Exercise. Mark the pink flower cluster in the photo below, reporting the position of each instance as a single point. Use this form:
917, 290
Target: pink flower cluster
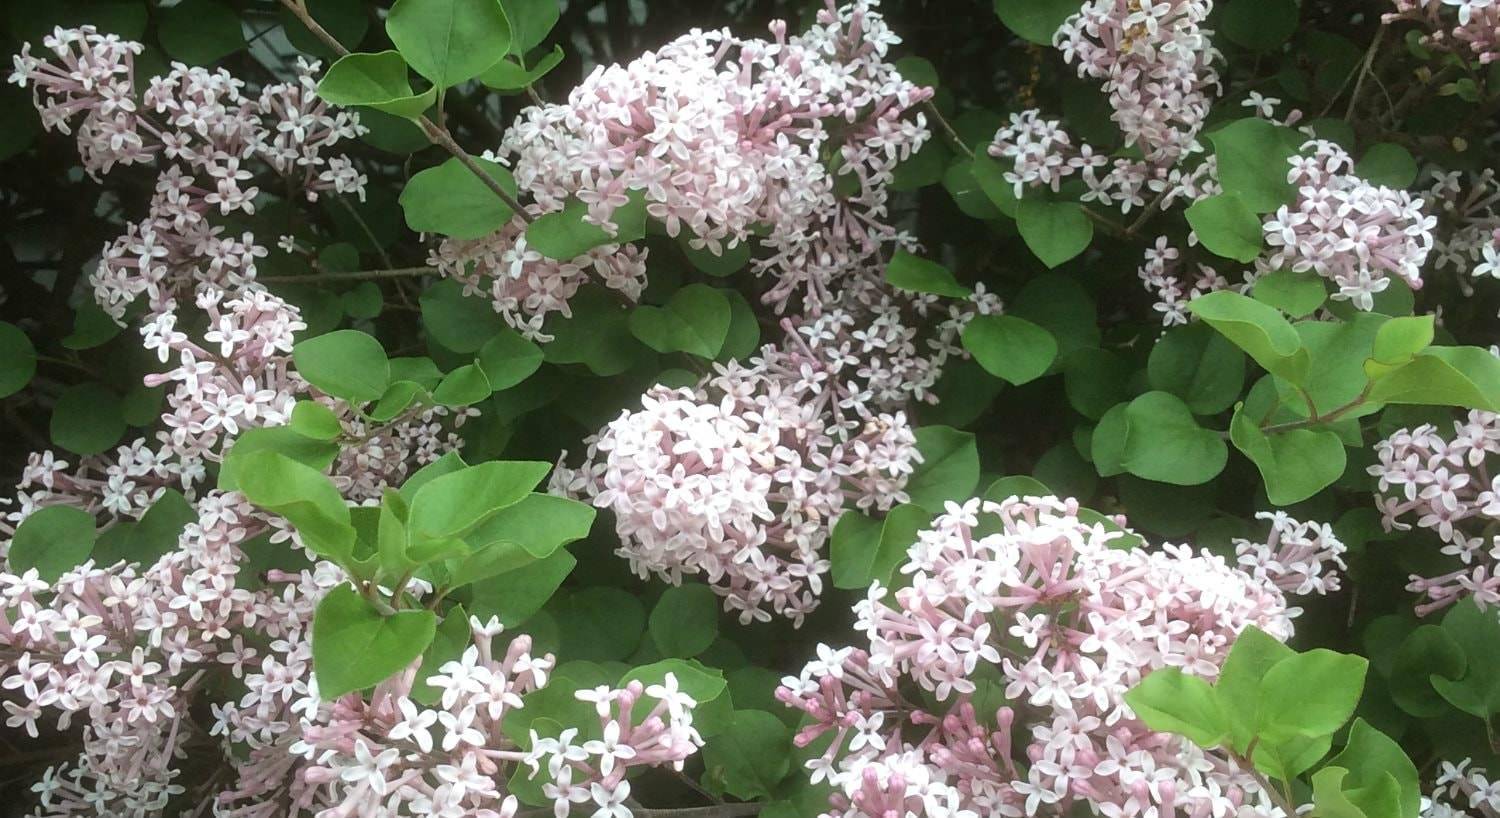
1025, 599
215, 136
1042, 154
1156, 63
1446, 484
1473, 26
726, 138
741, 478
1353, 233
1176, 282
1299, 558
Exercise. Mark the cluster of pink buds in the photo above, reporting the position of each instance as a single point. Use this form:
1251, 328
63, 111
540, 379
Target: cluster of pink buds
1156, 63
1468, 27
1353, 233
741, 478
1023, 601
726, 138
1446, 484
211, 136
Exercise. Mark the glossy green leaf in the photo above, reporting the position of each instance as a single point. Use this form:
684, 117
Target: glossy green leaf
566, 234
1056, 232
1226, 227
918, 275
1170, 701
1260, 330
356, 647
1010, 348
452, 201
449, 41
949, 469
346, 364
375, 81
53, 540
1166, 444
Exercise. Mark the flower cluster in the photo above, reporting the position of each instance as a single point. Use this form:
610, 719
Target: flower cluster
1472, 244
1297, 557
1156, 63
1356, 234
722, 136
1042, 154
212, 135
1447, 484
742, 477
1462, 790
1024, 597
1472, 28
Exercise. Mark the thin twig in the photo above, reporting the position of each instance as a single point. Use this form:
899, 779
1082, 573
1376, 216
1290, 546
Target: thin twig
351, 275
1364, 72
947, 128
435, 133
363, 225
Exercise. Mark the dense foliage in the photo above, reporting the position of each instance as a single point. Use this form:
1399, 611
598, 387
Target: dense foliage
698, 410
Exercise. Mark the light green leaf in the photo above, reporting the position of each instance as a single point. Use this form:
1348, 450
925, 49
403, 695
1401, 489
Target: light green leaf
464, 386
1253, 653
1055, 231
1226, 227
452, 201
1010, 348
355, 647
1252, 161
453, 503
1198, 365
1309, 694
564, 235
346, 364
1467, 377
918, 275
1296, 294
949, 469
1260, 330
752, 757
1164, 442
508, 358
1370, 756
1295, 464
449, 41
1170, 701
314, 420
376, 81
507, 75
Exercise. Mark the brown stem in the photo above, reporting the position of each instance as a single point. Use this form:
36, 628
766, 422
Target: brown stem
352, 275
437, 134
942, 122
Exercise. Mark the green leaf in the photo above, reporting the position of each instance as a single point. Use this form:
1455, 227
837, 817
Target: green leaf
87, 419
1256, 328
508, 358
1400, 339
597, 335
1198, 365
1226, 227
1096, 379
53, 540
949, 469
375, 81
1010, 348
1329, 798
1467, 377
865, 551
464, 386
685, 620
17, 359
1387, 164
1170, 701
462, 323
311, 452
1059, 304
695, 320
1309, 694
515, 595
452, 201
1476, 632
453, 503
564, 235
1260, 25
1166, 444
314, 420
1035, 20
960, 182
507, 75
355, 647
1296, 294
1370, 756
1425, 652
743, 337
92, 327
991, 179
1252, 161
199, 32
1253, 653
1055, 231
1295, 464
449, 41
346, 364
704, 684
1016, 485
601, 624
751, 757
918, 275
301, 494
156, 534
1107, 443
